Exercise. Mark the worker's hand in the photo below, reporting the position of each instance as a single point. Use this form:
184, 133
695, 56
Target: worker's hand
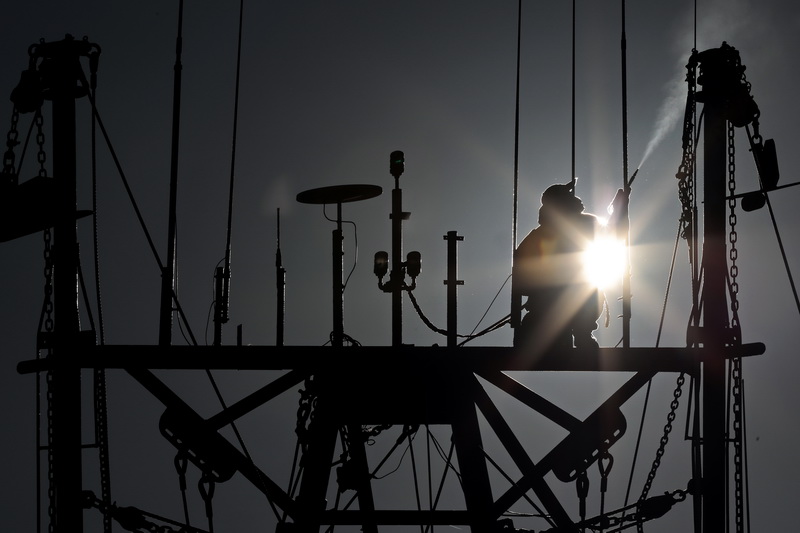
620, 203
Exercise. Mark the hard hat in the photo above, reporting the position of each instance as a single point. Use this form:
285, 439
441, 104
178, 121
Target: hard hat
559, 193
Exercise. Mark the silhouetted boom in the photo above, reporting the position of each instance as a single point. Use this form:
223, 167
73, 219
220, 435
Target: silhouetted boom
317, 358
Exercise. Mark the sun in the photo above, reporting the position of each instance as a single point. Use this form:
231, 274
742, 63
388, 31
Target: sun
604, 261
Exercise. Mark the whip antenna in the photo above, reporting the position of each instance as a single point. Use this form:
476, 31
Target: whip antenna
168, 273
280, 281
223, 275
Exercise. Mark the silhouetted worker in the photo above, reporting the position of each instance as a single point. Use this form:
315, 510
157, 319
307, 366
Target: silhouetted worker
549, 269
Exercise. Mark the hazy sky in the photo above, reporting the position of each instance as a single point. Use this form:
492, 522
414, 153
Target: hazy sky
328, 90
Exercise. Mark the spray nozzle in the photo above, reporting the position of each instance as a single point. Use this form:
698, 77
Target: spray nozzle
633, 177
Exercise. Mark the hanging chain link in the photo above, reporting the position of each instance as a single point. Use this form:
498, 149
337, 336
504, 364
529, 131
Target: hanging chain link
48, 325
51, 482
48, 330
673, 407
733, 237
41, 157
9, 158
736, 364
738, 439
685, 174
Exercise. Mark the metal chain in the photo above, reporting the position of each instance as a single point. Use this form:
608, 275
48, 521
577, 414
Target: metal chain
733, 254
51, 485
685, 174
42, 155
101, 436
9, 159
48, 329
737, 385
673, 407
736, 368
738, 439
48, 280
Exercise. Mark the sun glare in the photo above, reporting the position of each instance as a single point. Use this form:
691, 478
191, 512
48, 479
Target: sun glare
604, 261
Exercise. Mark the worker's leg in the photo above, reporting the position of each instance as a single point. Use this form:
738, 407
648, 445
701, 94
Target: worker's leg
585, 321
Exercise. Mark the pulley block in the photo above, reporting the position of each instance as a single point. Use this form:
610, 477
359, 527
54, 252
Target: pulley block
203, 446
586, 444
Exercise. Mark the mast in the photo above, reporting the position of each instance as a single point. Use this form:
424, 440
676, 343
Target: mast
168, 273
715, 313
624, 219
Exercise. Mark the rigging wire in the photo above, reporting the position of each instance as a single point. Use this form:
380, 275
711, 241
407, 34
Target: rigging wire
132, 199
415, 477
777, 232
626, 279
516, 137
223, 306
168, 273
226, 271
490, 306
539, 511
573, 178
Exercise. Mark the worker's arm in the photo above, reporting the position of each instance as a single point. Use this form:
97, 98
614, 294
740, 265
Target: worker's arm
618, 221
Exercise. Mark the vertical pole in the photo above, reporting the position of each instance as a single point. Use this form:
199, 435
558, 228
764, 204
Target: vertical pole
715, 78
714, 320
338, 292
471, 460
65, 401
625, 220
168, 272
452, 283
358, 455
316, 467
397, 275
219, 294
280, 282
